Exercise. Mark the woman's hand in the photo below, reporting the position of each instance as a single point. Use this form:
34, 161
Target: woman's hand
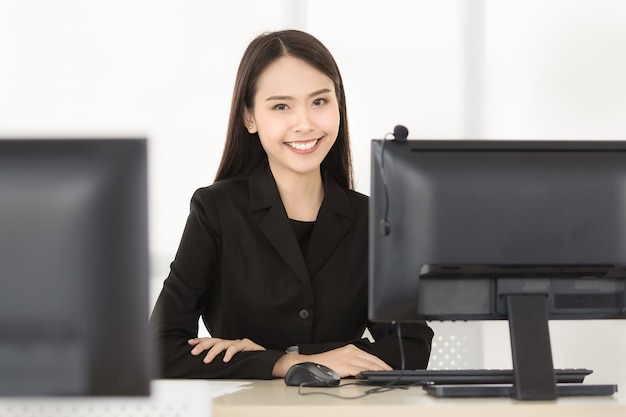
346, 361
215, 346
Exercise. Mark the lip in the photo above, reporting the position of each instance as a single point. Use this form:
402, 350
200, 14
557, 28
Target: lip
304, 151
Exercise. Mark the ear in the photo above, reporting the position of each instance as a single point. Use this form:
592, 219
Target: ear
248, 120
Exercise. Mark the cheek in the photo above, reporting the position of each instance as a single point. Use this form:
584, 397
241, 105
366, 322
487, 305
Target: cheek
270, 128
330, 121
271, 137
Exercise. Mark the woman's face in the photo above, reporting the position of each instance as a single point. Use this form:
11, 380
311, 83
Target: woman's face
296, 115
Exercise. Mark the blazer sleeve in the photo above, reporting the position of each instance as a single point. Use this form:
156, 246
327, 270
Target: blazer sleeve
416, 344
174, 319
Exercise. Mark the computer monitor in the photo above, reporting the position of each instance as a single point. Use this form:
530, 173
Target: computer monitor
74, 267
519, 230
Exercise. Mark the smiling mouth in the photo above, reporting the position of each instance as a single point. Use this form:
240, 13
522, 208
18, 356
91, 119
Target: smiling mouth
303, 146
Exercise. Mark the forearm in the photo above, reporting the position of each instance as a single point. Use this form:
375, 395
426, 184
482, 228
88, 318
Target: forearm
416, 344
176, 361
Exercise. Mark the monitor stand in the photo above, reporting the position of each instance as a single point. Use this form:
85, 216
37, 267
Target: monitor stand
533, 369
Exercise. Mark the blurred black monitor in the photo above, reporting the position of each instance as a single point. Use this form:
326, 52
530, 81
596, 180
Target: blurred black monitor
520, 230
74, 267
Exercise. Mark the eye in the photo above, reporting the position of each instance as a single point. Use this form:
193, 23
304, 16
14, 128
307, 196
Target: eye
319, 101
280, 106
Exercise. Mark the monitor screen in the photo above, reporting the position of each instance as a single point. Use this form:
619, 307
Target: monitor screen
497, 229
74, 270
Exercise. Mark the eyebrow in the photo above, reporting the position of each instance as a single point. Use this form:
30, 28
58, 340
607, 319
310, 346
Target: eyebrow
315, 93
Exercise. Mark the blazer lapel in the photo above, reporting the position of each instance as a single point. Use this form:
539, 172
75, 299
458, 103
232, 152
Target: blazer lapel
265, 203
333, 223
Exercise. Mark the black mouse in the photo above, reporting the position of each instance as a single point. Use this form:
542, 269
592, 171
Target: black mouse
311, 375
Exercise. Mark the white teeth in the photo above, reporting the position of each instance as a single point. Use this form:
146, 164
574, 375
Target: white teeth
303, 146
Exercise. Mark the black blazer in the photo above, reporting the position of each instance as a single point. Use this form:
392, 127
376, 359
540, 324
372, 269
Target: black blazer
240, 267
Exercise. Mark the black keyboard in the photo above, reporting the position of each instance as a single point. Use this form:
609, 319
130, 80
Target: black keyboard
461, 376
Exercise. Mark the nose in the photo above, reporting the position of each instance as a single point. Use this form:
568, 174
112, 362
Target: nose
302, 120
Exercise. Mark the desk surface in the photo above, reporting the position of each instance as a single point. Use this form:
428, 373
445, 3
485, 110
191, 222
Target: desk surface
219, 398
274, 398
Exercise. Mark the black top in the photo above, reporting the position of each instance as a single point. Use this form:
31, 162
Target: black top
303, 232
240, 266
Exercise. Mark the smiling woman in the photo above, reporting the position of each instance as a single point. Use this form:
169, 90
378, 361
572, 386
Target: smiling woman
296, 116
280, 237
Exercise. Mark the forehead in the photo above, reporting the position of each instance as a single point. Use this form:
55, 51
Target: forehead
290, 76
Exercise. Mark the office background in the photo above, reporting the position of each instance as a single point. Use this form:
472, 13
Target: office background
543, 69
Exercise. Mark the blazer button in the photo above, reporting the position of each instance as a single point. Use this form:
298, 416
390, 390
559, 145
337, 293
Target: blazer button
304, 313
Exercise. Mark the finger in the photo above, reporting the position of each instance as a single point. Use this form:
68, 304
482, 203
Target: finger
373, 363
215, 350
211, 354
243, 345
230, 352
238, 346
204, 344
377, 366
367, 359
197, 340
208, 358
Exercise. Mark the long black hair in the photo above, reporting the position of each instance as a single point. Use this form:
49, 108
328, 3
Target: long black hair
243, 150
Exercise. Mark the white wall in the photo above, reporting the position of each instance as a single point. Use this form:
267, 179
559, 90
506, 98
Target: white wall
159, 68
555, 69
445, 69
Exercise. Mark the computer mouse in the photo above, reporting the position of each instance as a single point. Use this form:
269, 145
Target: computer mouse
311, 375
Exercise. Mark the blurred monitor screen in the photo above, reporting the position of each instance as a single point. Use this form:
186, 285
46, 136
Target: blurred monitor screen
74, 270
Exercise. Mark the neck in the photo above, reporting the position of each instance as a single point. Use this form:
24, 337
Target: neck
301, 194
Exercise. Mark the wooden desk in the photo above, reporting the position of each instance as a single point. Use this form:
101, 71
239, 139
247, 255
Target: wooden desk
218, 398
274, 398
